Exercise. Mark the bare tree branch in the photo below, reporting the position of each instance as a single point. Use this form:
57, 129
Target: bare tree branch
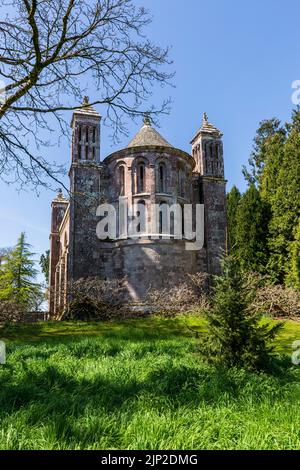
49, 51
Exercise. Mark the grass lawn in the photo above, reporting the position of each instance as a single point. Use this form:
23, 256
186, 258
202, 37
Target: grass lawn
139, 384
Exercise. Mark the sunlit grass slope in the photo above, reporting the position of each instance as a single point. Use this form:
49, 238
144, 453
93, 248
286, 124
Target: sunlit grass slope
140, 384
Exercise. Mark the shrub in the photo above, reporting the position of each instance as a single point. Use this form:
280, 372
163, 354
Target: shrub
95, 299
11, 312
235, 335
192, 294
277, 300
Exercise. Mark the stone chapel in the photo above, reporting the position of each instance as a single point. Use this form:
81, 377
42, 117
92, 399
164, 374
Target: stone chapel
148, 171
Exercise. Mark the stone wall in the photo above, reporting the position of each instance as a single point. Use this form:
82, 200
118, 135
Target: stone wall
152, 174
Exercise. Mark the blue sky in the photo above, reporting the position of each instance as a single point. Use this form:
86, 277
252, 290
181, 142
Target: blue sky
234, 59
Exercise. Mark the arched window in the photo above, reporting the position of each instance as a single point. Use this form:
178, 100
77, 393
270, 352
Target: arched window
164, 217
160, 219
181, 183
182, 220
162, 178
141, 178
122, 180
216, 151
141, 213
79, 142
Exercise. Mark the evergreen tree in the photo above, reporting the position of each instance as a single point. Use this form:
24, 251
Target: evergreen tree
293, 275
44, 263
252, 221
233, 199
267, 155
286, 205
235, 335
18, 275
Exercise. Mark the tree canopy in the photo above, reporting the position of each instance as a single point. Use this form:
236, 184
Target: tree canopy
264, 223
18, 277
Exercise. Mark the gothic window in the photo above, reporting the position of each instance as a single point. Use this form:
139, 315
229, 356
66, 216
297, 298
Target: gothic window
160, 218
87, 135
141, 178
86, 152
94, 153
211, 150
94, 135
122, 180
181, 191
79, 142
141, 213
162, 178
217, 151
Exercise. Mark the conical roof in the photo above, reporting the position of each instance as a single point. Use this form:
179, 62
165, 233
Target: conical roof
148, 136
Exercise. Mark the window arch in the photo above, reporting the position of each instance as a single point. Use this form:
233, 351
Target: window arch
162, 173
160, 218
216, 151
121, 180
181, 182
141, 178
141, 213
182, 221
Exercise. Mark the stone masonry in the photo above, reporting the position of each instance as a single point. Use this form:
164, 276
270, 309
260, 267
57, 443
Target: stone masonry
148, 171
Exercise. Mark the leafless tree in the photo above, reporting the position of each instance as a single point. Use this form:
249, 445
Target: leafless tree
95, 299
278, 301
51, 53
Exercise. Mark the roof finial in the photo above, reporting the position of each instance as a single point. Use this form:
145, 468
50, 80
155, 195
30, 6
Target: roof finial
86, 100
60, 194
204, 118
147, 120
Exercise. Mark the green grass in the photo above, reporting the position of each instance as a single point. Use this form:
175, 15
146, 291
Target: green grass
139, 384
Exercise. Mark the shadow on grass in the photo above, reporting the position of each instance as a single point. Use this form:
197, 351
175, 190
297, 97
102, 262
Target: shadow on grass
56, 393
130, 329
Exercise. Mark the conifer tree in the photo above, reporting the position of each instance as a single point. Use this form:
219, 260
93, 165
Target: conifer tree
18, 276
233, 199
267, 156
293, 275
235, 335
286, 205
44, 264
252, 221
